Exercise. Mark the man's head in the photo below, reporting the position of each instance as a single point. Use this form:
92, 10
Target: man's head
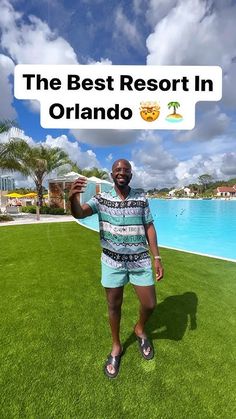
121, 173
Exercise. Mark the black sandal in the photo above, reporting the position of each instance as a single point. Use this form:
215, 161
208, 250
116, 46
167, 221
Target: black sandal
144, 344
115, 362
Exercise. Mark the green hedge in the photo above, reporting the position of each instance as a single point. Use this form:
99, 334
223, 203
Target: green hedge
43, 210
5, 217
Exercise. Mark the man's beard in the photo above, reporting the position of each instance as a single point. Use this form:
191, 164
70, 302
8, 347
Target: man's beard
121, 185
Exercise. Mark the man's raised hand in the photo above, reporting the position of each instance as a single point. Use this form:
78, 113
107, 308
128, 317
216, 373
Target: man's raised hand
78, 186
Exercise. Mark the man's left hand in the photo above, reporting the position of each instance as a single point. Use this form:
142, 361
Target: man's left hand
158, 269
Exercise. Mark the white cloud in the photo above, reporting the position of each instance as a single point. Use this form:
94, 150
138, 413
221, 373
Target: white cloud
152, 154
84, 159
15, 132
220, 166
158, 9
20, 180
32, 105
196, 32
29, 41
103, 137
228, 166
6, 97
103, 61
154, 157
229, 86
32, 42
212, 124
149, 136
138, 6
153, 166
188, 171
109, 157
18, 133
148, 178
186, 149
126, 30
23, 182
190, 25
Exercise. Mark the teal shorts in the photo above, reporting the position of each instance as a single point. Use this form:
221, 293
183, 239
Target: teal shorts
118, 277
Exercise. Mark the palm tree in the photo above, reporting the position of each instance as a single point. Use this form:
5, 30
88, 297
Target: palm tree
6, 125
101, 174
73, 167
205, 180
34, 161
174, 105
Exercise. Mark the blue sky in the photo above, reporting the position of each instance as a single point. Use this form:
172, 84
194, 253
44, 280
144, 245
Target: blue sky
161, 32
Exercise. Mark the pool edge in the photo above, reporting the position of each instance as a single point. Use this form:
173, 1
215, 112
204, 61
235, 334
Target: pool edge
174, 248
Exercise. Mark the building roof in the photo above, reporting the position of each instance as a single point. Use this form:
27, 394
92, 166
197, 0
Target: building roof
71, 176
226, 188
98, 180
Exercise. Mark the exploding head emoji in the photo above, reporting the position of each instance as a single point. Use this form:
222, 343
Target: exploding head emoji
149, 111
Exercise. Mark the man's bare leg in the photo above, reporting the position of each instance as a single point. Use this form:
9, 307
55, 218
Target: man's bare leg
147, 298
114, 301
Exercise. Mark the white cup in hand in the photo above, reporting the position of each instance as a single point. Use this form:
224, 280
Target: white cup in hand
85, 184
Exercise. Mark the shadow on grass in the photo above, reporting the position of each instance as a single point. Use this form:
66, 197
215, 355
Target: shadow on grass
171, 318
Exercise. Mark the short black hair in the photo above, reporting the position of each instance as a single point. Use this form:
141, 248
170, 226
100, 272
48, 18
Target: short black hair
124, 160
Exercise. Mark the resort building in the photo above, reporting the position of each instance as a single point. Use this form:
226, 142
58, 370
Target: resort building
183, 191
226, 191
58, 189
172, 193
188, 192
7, 183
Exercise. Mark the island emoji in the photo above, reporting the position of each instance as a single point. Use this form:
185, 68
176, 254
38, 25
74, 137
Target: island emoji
174, 117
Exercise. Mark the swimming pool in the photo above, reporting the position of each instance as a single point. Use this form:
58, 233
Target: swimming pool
201, 226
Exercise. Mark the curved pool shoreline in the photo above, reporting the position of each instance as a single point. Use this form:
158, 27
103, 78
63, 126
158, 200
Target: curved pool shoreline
203, 227
171, 248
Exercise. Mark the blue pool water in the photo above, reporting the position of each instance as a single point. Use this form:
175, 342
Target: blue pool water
201, 226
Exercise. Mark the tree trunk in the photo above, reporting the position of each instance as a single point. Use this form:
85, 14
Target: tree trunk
39, 189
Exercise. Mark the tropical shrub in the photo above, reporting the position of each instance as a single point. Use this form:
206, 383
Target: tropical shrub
5, 217
43, 210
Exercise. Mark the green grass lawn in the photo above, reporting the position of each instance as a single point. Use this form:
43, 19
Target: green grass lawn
54, 334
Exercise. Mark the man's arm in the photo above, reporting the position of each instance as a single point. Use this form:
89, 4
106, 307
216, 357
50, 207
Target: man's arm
152, 241
77, 210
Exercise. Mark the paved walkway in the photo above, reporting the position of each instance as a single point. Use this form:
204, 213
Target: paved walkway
25, 218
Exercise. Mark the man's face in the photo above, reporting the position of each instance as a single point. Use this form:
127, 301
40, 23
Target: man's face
121, 173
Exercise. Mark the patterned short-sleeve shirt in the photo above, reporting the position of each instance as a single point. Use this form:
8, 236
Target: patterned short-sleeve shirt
121, 225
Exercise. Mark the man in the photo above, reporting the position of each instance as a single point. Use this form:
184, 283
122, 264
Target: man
126, 225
